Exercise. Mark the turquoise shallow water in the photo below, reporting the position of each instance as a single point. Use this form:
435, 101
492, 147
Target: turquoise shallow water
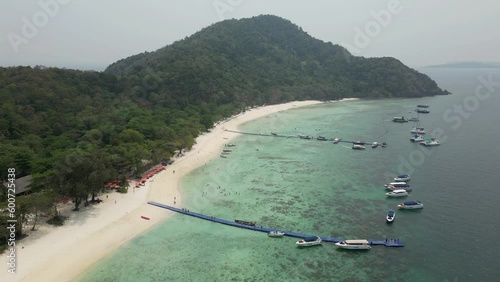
320, 188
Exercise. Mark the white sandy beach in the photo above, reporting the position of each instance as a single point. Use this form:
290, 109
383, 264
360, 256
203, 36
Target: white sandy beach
63, 253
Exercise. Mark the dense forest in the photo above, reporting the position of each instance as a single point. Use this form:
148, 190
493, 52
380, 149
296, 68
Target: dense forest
76, 130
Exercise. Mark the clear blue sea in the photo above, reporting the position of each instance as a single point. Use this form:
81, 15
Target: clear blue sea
329, 189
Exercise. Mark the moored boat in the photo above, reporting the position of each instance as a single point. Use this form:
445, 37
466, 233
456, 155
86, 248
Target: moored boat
423, 106
374, 145
392, 183
418, 130
305, 136
422, 111
405, 187
354, 244
321, 138
397, 193
391, 215
414, 119
309, 241
384, 144
358, 142
411, 205
402, 178
399, 119
430, 142
276, 233
336, 140
249, 223
417, 138
358, 147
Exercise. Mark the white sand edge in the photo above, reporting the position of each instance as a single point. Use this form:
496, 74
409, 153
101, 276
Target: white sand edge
88, 236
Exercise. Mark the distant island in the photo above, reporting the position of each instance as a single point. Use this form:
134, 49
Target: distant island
467, 65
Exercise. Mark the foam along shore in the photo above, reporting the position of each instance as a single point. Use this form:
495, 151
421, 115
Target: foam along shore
63, 253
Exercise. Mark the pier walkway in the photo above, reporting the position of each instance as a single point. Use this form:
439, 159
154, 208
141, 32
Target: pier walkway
384, 242
290, 136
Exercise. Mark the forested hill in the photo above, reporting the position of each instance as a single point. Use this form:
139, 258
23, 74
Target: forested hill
267, 59
75, 130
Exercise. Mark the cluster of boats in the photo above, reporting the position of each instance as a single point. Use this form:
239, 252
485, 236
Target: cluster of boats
400, 188
416, 133
345, 244
360, 145
225, 152
356, 145
316, 240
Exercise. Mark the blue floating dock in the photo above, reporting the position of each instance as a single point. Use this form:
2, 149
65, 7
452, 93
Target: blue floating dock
385, 242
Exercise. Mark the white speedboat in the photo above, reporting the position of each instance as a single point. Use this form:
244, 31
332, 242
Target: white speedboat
402, 178
430, 142
405, 187
391, 215
358, 147
399, 119
417, 138
276, 233
354, 244
309, 241
411, 205
397, 193
393, 183
417, 130
336, 140
374, 145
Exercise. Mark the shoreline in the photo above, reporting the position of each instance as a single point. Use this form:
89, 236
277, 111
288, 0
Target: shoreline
96, 232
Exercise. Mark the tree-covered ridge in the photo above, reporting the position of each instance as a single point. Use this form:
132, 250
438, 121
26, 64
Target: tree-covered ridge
269, 59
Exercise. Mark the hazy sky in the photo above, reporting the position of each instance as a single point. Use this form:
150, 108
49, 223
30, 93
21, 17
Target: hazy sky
91, 34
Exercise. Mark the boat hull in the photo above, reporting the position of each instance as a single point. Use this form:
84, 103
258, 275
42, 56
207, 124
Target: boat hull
353, 247
303, 243
276, 234
430, 143
396, 195
397, 187
411, 207
402, 178
358, 147
243, 222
